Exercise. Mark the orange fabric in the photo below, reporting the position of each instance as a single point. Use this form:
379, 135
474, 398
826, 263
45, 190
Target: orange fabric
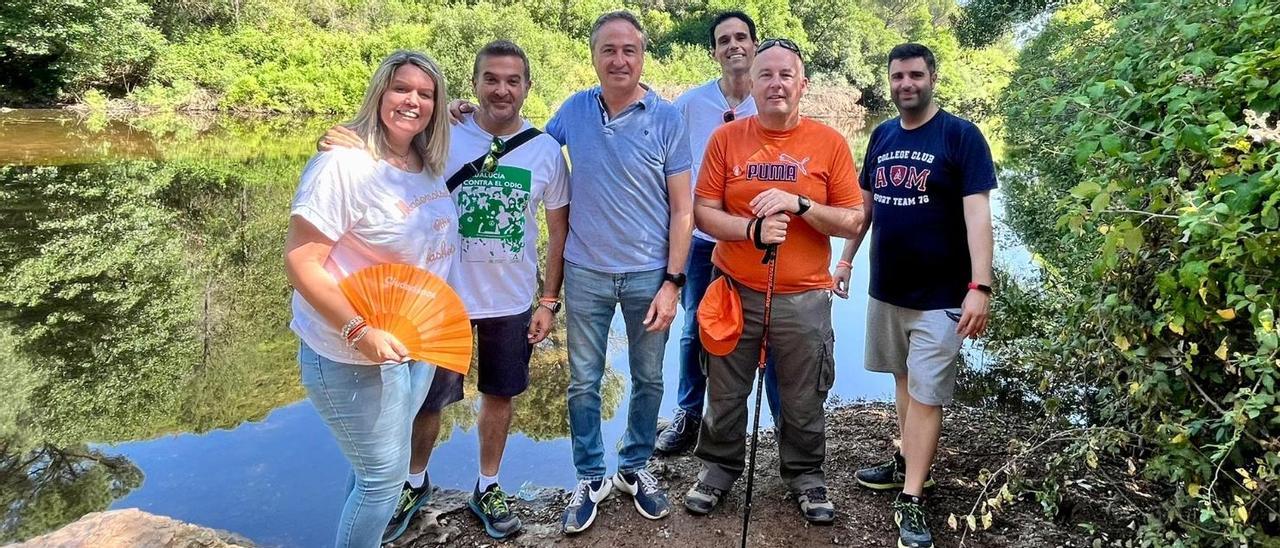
744, 159
720, 318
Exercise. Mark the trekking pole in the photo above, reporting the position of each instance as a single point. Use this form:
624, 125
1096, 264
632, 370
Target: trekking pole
770, 258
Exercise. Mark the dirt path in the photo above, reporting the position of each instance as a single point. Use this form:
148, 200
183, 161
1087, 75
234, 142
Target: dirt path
973, 440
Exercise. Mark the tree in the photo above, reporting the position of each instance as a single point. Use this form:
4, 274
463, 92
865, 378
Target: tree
55, 49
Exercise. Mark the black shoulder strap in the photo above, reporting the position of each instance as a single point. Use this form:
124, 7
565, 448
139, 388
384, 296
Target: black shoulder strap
469, 169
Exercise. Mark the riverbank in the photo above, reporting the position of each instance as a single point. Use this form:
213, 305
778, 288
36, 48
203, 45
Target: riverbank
975, 443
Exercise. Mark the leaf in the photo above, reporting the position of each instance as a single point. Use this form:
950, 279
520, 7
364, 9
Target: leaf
1242, 514
972, 522
1087, 189
1227, 313
1221, 352
986, 521
1091, 459
1133, 240
1112, 144
1122, 342
1100, 202
952, 523
1193, 489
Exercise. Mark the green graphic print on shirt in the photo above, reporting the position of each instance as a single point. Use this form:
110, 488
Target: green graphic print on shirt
491, 215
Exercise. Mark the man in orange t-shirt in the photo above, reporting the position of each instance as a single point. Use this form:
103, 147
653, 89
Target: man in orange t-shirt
775, 178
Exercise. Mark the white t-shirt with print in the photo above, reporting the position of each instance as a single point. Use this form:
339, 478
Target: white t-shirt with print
375, 214
703, 108
497, 218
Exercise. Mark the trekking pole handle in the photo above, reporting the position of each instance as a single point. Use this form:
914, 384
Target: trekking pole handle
770, 253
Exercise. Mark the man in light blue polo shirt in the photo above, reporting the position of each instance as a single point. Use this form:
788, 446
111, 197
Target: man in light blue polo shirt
629, 231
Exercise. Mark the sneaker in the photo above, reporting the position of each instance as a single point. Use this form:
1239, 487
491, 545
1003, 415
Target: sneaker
410, 501
890, 474
680, 434
582, 507
651, 501
491, 507
908, 513
702, 498
815, 505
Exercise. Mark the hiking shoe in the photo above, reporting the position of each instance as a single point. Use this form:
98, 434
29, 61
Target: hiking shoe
890, 474
651, 501
581, 511
815, 505
491, 507
702, 498
410, 501
913, 532
680, 434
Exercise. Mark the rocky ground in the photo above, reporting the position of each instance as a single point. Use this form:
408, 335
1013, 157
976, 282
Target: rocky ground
974, 442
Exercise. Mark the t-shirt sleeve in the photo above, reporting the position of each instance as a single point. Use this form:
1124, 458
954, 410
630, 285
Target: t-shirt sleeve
678, 158
555, 126
328, 195
976, 165
842, 188
711, 177
557, 194
865, 179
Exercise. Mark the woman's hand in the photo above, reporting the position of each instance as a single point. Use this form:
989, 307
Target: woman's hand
458, 108
339, 137
381, 347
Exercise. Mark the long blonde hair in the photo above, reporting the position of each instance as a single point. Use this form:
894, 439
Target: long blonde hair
432, 144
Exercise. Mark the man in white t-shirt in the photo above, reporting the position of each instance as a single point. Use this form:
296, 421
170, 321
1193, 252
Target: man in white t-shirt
705, 108
504, 176
497, 270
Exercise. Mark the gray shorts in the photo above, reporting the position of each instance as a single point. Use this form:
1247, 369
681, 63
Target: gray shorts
921, 344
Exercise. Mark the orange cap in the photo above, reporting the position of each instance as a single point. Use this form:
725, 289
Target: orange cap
720, 318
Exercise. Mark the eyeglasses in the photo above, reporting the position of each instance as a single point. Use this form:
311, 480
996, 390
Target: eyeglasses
496, 147
728, 116
788, 44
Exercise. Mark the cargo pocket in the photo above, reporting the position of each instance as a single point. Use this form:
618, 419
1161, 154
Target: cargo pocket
827, 363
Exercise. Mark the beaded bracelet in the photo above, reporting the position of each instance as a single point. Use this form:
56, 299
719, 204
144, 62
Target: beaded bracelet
359, 334
351, 325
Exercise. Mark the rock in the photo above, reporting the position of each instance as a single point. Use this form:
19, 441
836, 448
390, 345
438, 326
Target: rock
133, 527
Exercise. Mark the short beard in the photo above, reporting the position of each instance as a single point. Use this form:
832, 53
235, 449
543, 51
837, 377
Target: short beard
923, 100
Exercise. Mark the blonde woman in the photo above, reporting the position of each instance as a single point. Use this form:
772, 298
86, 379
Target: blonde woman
356, 208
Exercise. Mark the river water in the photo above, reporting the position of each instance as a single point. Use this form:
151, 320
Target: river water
143, 332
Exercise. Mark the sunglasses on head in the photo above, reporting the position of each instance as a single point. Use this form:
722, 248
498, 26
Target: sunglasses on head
729, 116
491, 159
783, 42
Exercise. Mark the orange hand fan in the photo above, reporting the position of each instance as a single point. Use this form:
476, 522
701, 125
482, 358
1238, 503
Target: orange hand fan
418, 308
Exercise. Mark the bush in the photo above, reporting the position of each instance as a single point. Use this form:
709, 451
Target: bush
1149, 188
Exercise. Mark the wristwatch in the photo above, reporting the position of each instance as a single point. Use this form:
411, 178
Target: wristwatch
553, 306
804, 206
677, 279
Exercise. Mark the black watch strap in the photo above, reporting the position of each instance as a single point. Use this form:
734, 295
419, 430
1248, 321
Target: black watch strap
677, 279
804, 204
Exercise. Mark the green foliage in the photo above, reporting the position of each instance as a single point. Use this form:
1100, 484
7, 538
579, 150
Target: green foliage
1149, 189
295, 56
56, 49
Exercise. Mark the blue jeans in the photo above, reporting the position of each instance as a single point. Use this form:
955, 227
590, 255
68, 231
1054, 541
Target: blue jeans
369, 409
590, 299
693, 382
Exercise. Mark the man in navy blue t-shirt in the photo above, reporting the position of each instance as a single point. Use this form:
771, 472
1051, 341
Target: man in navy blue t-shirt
928, 176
